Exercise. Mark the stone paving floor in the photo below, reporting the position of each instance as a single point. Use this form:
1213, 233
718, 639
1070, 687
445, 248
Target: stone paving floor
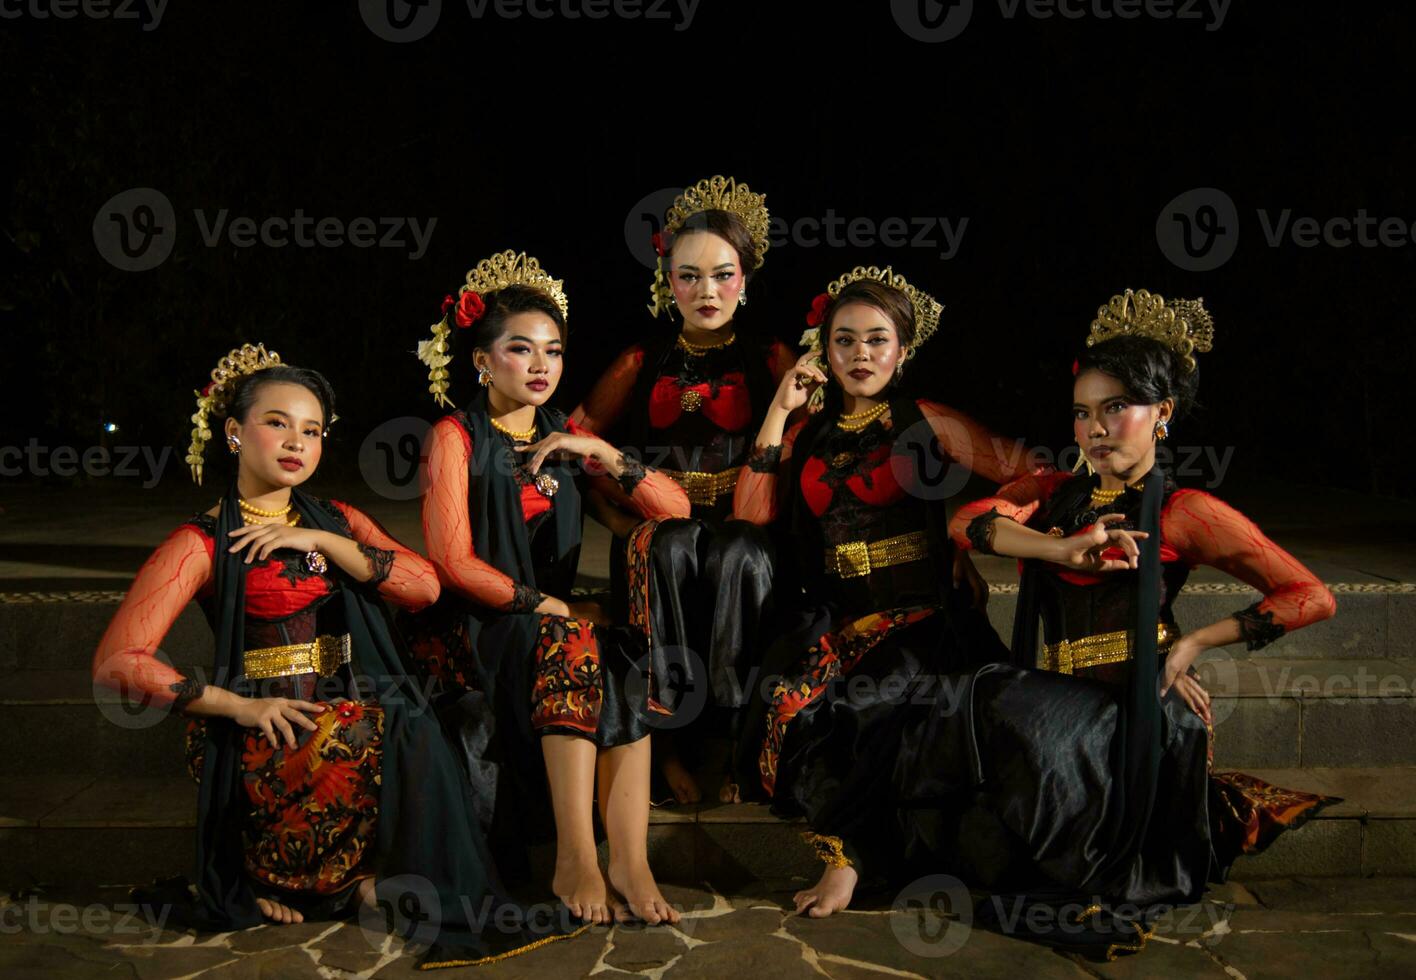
1326, 927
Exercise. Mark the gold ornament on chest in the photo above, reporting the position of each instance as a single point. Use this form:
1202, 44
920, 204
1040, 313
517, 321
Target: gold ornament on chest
690, 400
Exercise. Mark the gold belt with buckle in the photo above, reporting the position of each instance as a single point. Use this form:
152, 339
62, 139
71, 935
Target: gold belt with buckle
856, 559
704, 488
1069, 656
323, 656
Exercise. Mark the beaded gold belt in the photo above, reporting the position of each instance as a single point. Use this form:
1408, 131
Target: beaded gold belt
856, 559
323, 656
1069, 656
704, 489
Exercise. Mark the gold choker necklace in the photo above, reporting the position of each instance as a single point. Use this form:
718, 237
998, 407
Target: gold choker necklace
524, 436
858, 421
699, 349
254, 511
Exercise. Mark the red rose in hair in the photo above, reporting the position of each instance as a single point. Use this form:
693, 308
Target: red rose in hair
1076, 366
817, 316
470, 309
207, 390
448, 302
658, 239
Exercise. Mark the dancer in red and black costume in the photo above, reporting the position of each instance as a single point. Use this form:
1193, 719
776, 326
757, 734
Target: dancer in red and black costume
864, 505
554, 693
320, 780
689, 403
1087, 790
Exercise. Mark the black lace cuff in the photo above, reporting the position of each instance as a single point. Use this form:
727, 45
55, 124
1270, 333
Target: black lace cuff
1257, 628
764, 459
632, 474
980, 532
186, 691
524, 599
380, 562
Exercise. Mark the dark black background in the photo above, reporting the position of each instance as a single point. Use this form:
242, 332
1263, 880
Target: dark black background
1059, 140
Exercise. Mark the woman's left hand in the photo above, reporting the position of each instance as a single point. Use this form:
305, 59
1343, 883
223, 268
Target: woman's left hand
574, 446
1177, 675
262, 539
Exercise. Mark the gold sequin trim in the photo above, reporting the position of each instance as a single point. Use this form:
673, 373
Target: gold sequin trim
1070, 656
831, 850
856, 559
704, 489
323, 656
448, 964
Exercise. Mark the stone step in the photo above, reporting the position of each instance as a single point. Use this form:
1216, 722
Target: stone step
1270, 712
60, 630
101, 830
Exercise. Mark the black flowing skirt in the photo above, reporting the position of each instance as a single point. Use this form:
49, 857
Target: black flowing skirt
701, 590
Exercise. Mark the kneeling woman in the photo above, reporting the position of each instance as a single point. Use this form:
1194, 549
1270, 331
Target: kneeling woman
560, 692
882, 623
321, 768
1092, 798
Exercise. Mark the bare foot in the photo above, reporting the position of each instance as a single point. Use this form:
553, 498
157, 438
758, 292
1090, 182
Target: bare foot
680, 780
581, 886
729, 792
280, 914
641, 893
831, 894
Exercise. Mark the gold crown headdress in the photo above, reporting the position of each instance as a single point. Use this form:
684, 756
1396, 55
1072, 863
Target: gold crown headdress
212, 400
710, 194
1183, 325
926, 307
509, 268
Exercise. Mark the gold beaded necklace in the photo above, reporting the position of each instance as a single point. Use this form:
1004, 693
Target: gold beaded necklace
858, 421
525, 435
698, 350
253, 511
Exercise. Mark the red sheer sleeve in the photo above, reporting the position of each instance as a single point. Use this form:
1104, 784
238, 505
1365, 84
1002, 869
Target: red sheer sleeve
1207, 531
1018, 500
170, 578
405, 578
639, 490
759, 492
974, 446
447, 527
605, 404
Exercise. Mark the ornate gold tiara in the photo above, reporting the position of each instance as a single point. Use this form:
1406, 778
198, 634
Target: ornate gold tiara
926, 307
1183, 325
212, 400
509, 268
711, 194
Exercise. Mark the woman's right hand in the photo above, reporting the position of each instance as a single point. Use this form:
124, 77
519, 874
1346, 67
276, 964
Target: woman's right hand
1083, 550
799, 382
276, 714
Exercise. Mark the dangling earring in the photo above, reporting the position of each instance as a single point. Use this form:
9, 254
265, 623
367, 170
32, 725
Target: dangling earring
1162, 429
742, 297
484, 377
233, 444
